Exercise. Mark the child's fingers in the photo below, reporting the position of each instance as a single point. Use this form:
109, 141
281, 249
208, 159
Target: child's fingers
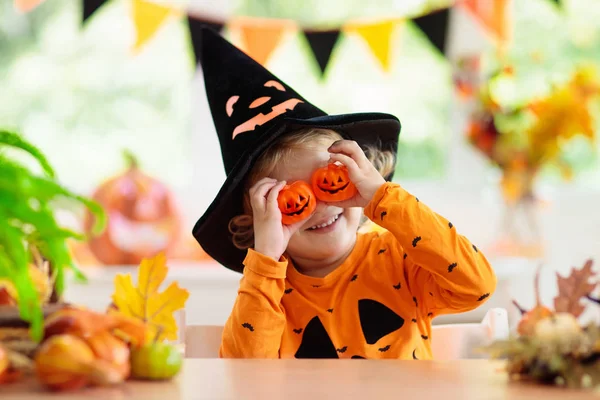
258, 184
258, 193
353, 168
349, 148
272, 205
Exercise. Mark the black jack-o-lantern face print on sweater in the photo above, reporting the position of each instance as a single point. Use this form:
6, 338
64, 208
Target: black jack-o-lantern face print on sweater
376, 322
260, 110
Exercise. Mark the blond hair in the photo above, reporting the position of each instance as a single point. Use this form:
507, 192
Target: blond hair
240, 226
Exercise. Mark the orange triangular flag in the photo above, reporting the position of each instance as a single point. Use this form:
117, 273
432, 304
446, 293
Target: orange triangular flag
494, 15
378, 36
148, 17
260, 37
27, 5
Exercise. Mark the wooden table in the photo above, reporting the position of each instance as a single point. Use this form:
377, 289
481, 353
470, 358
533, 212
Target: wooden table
314, 379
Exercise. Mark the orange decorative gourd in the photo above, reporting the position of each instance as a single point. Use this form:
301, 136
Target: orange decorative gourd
83, 323
332, 183
529, 320
114, 351
4, 362
142, 218
296, 202
65, 362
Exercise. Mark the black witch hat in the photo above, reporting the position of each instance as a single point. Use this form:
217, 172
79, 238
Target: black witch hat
251, 110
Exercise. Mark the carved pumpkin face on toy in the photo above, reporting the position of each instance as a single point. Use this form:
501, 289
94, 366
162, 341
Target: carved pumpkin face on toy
142, 218
268, 105
296, 202
332, 183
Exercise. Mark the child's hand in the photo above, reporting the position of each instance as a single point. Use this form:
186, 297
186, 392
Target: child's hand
362, 173
271, 237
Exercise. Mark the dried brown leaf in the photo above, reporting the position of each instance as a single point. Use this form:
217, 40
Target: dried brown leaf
572, 288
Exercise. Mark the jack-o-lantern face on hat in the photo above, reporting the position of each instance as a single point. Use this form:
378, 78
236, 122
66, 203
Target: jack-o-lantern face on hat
273, 103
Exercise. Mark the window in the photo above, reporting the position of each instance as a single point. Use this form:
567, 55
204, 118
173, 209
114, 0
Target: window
82, 96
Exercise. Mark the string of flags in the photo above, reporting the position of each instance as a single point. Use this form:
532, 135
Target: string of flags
259, 37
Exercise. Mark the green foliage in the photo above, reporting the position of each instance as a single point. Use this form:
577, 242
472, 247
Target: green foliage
550, 44
28, 205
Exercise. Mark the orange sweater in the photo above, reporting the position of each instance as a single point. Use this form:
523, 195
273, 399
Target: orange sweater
378, 304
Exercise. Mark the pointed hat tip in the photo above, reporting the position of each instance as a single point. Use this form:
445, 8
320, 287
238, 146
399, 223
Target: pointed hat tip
208, 39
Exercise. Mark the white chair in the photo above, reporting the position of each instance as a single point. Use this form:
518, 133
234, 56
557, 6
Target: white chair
460, 341
202, 341
448, 342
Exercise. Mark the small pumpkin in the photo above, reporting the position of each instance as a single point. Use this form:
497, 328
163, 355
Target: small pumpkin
296, 202
66, 362
332, 183
530, 319
114, 351
143, 219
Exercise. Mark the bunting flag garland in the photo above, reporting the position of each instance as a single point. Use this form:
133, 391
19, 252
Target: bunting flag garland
195, 26
494, 15
259, 36
378, 36
89, 7
148, 18
322, 44
435, 27
26, 6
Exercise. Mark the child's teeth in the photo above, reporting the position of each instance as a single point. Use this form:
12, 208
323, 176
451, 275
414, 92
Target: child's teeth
323, 225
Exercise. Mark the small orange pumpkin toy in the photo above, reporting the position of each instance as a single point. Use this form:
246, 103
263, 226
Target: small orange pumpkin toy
296, 202
332, 183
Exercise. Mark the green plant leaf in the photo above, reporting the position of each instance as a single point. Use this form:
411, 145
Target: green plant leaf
28, 204
14, 140
18, 179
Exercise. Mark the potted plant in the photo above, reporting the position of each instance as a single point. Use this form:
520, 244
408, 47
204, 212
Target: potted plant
33, 245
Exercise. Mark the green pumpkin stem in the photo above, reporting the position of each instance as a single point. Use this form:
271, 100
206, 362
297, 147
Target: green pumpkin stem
130, 159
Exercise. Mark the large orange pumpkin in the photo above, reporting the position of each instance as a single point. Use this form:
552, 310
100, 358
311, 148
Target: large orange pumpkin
332, 183
296, 202
142, 218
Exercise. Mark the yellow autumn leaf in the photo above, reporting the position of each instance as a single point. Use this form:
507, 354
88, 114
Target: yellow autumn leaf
562, 115
146, 303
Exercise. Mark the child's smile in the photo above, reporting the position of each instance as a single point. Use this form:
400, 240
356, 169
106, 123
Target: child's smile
330, 232
327, 226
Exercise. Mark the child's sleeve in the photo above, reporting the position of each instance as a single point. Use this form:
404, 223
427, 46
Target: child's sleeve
445, 272
257, 322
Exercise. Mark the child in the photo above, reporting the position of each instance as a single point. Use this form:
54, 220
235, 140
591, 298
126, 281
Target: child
317, 288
